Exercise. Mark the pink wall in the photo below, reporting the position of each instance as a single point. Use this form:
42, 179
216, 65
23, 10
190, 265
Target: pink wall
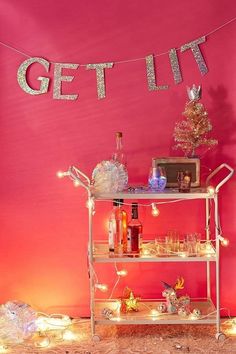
44, 220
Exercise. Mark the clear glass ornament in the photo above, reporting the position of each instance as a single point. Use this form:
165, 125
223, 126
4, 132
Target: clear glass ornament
109, 177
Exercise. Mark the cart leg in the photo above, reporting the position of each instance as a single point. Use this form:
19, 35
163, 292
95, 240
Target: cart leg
208, 270
95, 337
219, 334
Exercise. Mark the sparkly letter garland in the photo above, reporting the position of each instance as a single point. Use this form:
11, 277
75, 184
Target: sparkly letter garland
151, 75
58, 78
21, 76
194, 46
101, 91
100, 72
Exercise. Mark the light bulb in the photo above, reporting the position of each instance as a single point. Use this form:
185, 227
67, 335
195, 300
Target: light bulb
102, 287
154, 313
225, 242
146, 252
122, 272
60, 174
3, 348
234, 325
42, 342
76, 183
90, 203
68, 335
155, 211
211, 190
118, 319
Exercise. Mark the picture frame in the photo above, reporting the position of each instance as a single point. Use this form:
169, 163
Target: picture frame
173, 165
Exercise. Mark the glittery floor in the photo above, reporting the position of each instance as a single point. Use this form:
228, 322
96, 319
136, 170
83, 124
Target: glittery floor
136, 339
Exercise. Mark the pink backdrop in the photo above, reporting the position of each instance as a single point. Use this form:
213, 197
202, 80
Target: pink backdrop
44, 220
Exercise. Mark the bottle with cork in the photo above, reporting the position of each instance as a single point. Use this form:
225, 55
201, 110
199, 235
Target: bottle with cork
119, 154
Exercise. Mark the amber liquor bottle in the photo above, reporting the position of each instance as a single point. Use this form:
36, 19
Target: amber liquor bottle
134, 232
117, 229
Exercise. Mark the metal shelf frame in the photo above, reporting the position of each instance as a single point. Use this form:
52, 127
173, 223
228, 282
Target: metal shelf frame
82, 180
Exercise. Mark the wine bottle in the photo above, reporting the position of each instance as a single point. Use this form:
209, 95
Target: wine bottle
134, 232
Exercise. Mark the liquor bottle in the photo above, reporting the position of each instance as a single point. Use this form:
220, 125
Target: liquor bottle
184, 181
134, 232
117, 229
119, 154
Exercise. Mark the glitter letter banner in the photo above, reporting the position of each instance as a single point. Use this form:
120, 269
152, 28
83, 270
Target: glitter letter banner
101, 91
194, 46
151, 75
58, 78
21, 76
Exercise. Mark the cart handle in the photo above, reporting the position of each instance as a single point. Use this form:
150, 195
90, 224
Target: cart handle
76, 175
220, 184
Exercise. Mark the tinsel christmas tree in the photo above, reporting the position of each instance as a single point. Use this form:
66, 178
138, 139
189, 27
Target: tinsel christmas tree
192, 132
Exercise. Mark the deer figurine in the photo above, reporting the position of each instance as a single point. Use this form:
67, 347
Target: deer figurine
174, 303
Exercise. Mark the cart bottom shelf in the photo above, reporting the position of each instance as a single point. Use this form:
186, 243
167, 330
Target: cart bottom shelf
144, 315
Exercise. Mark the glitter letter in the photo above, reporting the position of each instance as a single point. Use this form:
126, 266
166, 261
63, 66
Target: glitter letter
101, 90
194, 46
151, 75
21, 76
58, 78
174, 62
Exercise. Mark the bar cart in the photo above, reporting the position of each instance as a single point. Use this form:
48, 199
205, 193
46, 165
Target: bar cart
98, 253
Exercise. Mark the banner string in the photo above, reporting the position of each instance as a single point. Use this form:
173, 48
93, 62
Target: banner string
128, 60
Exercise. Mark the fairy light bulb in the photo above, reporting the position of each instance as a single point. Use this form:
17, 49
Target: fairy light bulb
233, 326
117, 319
210, 190
76, 183
3, 348
154, 313
102, 287
90, 203
155, 211
122, 272
60, 174
68, 335
43, 342
224, 241
146, 252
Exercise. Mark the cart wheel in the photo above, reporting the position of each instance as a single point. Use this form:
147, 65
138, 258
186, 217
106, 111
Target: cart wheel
96, 338
220, 336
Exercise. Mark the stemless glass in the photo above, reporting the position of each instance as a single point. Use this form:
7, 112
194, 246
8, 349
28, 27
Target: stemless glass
157, 178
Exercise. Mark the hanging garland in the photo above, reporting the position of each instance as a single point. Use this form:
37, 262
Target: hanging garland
194, 46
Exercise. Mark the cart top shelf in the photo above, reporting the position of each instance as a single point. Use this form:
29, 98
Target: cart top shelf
169, 193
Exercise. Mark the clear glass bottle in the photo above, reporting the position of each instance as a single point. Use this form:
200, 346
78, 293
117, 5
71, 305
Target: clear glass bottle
117, 229
119, 154
134, 232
